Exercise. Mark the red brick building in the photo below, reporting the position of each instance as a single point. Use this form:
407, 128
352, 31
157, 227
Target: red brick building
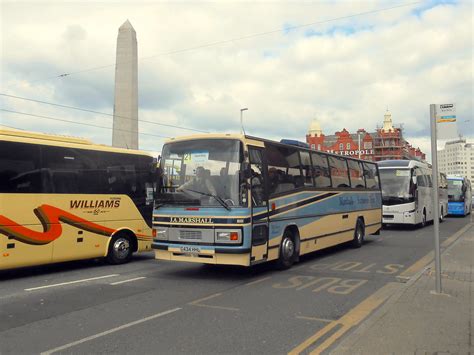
385, 143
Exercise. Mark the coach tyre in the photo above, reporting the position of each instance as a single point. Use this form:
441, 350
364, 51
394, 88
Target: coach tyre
423, 219
358, 234
120, 249
287, 251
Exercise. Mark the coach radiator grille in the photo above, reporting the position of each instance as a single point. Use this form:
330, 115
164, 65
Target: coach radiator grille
190, 235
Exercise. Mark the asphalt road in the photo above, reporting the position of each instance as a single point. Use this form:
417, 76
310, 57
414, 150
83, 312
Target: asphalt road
149, 306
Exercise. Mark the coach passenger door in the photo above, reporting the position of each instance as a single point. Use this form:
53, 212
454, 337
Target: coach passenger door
259, 206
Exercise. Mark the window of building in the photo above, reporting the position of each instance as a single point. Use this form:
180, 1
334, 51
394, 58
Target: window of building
348, 146
313, 146
341, 146
367, 145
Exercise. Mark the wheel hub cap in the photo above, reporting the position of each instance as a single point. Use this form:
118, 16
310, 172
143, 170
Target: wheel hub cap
121, 247
288, 248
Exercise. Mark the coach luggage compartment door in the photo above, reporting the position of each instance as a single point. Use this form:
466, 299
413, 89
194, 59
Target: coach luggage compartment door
259, 203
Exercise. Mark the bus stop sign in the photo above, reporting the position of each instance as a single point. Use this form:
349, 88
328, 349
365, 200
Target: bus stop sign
446, 121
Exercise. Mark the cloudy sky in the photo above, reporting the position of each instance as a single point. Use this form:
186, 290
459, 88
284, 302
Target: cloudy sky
289, 62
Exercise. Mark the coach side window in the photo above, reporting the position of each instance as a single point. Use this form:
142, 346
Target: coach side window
421, 180
306, 168
121, 174
339, 172
371, 177
73, 170
427, 174
321, 170
20, 168
357, 174
257, 179
284, 172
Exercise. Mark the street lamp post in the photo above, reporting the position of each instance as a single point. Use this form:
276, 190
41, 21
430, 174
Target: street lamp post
358, 141
242, 129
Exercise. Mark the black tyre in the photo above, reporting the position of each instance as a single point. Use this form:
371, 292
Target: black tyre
441, 217
358, 234
287, 251
423, 219
120, 249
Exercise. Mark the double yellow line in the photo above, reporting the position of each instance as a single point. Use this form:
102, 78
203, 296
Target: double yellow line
428, 258
326, 337
352, 318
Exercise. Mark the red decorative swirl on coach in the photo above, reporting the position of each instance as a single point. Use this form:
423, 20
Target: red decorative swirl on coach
50, 217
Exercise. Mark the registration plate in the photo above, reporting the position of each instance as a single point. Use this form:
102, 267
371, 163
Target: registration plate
190, 250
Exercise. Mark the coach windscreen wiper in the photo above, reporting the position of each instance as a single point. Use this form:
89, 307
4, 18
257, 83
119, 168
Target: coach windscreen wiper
217, 198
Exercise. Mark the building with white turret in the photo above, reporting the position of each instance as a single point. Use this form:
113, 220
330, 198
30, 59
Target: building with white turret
386, 142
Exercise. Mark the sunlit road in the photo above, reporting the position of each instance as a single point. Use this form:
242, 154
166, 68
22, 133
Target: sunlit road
152, 306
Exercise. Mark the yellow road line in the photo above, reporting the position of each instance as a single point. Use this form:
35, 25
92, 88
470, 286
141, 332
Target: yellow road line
316, 319
428, 258
417, 266
349, 320
199, 304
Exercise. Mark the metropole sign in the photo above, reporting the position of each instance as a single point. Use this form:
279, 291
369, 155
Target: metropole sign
352, 152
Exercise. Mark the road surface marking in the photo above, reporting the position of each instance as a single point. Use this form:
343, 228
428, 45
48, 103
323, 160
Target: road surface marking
129, 280
315, 319
110, 331
349, 320
199, 304
428, 258
258, 281
70, 282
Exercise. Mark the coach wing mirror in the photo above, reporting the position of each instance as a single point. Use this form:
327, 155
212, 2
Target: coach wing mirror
246, 171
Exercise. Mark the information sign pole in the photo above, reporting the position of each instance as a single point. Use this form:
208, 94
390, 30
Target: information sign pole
435, 193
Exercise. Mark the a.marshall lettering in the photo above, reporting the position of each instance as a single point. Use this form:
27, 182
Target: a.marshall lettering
197, 220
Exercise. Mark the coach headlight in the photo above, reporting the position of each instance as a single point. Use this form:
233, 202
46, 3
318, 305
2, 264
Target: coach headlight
228, 236
160, 233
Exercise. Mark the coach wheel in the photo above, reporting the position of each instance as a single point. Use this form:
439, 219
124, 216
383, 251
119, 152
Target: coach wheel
423, 219
441, 217
358, 234
120, 249
287, 251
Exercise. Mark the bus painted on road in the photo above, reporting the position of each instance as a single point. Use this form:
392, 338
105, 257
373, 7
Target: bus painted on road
241, 200
459, 196
406, 192
64, 198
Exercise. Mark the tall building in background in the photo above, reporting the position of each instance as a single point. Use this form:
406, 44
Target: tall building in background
387, 142
457, 158
125, 127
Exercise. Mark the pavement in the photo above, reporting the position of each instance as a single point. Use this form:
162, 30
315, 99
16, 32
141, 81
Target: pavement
417, 320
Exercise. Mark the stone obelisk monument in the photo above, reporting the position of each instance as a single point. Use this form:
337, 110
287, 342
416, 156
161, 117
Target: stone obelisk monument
125, 128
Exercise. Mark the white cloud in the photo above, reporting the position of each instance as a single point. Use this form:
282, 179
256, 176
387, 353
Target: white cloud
344, 72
